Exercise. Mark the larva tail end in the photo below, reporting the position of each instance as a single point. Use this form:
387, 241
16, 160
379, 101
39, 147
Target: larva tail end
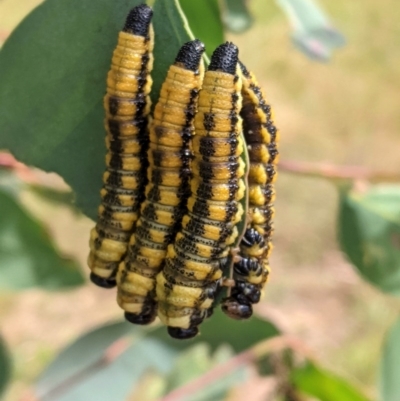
224, 58
102, 281
182, 334
236, 310
138, 20
190, 55
140, 319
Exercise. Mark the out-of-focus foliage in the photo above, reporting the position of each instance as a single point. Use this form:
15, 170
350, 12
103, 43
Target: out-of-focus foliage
28, 257
80, 370
5, 366
369, 233
323, 385
312, 31
236, 15
390, 365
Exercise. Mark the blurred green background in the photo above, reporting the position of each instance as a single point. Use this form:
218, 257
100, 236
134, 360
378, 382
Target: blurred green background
343, 112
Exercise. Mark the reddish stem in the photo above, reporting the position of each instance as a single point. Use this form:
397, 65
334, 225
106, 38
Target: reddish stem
338, 172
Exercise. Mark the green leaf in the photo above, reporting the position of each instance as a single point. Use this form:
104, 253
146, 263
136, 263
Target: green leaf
5, 366
28, 257
219, 330
171, 32
205, 22
313, 33
83, 366
323, 385
390, 365
236, 15
52, 85
82, 353
84, 371
369, 233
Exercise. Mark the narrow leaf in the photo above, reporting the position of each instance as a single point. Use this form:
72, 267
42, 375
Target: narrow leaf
390, 365
28, 257
205, 21
172, 31
369, 233
323, 385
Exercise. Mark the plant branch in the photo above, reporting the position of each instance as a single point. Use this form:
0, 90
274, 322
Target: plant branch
244, 358
331, 171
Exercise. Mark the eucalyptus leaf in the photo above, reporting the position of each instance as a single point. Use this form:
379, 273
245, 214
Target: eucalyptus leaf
205, 22
390, 365
324, 386
83, 353
28, 257
369, 233
219, 330
52, 85
117, 379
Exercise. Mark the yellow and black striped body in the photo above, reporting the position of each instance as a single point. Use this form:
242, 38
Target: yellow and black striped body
187, 285
251, 267
168, 188
127, 105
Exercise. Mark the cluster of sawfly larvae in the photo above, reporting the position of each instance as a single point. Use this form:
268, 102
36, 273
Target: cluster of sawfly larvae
174, 190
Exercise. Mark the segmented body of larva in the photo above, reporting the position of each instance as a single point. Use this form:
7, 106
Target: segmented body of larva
168, 188
192, 273
251, 267
127, 106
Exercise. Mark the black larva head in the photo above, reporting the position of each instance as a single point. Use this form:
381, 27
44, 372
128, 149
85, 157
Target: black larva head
190, 55
103, 282
182, 334
141, 319
237, 309
224, 58
138, 20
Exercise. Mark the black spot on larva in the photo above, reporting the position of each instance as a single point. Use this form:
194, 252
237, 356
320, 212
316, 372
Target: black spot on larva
271, 129
113, 128
113, 103
115, 161
154, 194
245, 72
208, 121
138, 20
